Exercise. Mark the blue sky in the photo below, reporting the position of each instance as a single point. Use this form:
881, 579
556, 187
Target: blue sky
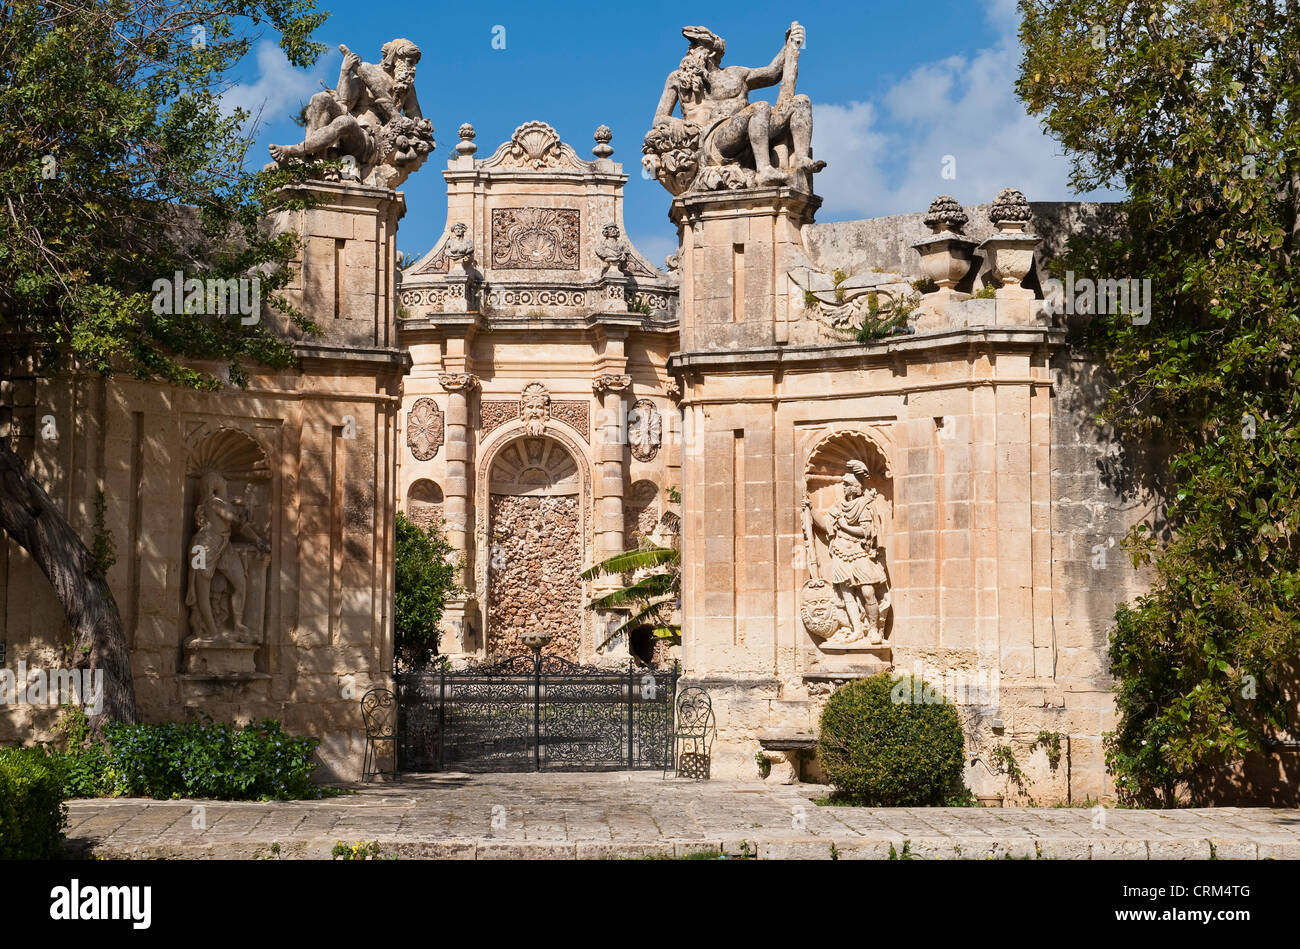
896, 88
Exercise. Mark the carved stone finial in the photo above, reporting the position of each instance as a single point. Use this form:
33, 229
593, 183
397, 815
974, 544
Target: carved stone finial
611, 382
372, 120
458, 381
946, 214
466, 144
1010, 210
603, 136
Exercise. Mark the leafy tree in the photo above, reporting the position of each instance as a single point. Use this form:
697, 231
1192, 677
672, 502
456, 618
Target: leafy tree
425, 577
1194, 107
118, 167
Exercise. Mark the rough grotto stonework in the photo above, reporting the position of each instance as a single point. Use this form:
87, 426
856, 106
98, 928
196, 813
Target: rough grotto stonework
533, 574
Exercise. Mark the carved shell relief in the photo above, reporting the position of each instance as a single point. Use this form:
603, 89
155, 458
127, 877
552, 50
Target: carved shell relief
536, 238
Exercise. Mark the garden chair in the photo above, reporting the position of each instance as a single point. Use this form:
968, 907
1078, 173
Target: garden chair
693, 734
379, 709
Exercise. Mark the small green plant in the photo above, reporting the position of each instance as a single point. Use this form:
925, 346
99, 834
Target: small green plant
835, 851
103, 551
674, 495
904, 854
638, 304
924, 285
986, 292
810, 300
1005, 761
839, 277
764, 763
1050, 742
357, 851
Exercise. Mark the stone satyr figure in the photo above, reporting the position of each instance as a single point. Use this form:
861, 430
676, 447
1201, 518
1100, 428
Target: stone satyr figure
852, 529
216, 519
372, 118
723, 140
611, 250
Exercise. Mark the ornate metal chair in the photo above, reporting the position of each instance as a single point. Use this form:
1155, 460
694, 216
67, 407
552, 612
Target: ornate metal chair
694, 729
379, 709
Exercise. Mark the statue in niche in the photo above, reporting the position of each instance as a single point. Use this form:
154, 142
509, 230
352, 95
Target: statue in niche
722, 140
611, 251
535, 408
855, 580
224, 553
372, 120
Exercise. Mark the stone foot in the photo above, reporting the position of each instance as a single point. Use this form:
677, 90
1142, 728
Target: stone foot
770, 177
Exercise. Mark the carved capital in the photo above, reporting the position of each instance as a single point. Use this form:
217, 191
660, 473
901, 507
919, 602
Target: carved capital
458, 381
674, 390
611, 382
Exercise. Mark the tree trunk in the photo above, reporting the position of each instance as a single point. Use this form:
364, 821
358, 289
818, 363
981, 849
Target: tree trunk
30, 517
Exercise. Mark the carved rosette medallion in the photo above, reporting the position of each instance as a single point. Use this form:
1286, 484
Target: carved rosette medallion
424, 429
644, 430
536, 238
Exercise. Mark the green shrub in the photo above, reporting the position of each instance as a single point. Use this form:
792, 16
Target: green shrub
211, 760
424, 579
202, 758
887, 753
32, 812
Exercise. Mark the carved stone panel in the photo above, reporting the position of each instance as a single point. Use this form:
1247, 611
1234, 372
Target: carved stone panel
536, 238
495, 413
576, 413
644, 430
424, 429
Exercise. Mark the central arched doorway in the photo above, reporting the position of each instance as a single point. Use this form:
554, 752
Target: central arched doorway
535, 547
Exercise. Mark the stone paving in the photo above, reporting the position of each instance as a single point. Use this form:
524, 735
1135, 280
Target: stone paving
631, 815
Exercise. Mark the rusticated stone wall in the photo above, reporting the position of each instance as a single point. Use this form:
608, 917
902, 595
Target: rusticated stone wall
536, 557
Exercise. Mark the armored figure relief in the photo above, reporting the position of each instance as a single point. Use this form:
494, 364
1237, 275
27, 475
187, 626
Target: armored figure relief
372, 117
460, 249
852, 530
722, 139
217, 521
611, 250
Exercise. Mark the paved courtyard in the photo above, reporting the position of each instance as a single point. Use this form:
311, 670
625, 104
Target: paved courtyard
631, 815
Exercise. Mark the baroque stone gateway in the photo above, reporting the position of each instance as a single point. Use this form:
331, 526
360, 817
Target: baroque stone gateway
927, 498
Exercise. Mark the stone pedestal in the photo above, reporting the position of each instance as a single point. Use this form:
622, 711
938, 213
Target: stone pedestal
219, 657
737, 249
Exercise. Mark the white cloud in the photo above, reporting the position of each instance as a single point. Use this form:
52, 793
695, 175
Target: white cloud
887, 157
279, 90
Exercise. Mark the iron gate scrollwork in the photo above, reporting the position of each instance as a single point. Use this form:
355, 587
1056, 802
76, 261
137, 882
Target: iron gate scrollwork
535, 713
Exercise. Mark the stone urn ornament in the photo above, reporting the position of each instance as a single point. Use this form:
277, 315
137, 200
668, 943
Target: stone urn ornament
1011, 251
946, 255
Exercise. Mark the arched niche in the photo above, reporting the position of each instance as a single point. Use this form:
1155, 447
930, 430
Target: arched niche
227, 551
534, 542
424, 503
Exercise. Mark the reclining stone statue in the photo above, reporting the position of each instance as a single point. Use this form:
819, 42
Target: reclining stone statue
372, 120
722, 140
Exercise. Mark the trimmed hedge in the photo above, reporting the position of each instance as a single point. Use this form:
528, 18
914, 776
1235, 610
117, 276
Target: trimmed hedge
881, 749
203, 759
32, 812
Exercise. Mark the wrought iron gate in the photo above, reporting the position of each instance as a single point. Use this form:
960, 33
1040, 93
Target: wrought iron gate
534, 713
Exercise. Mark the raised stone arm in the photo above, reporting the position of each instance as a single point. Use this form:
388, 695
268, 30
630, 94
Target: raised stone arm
774, 71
